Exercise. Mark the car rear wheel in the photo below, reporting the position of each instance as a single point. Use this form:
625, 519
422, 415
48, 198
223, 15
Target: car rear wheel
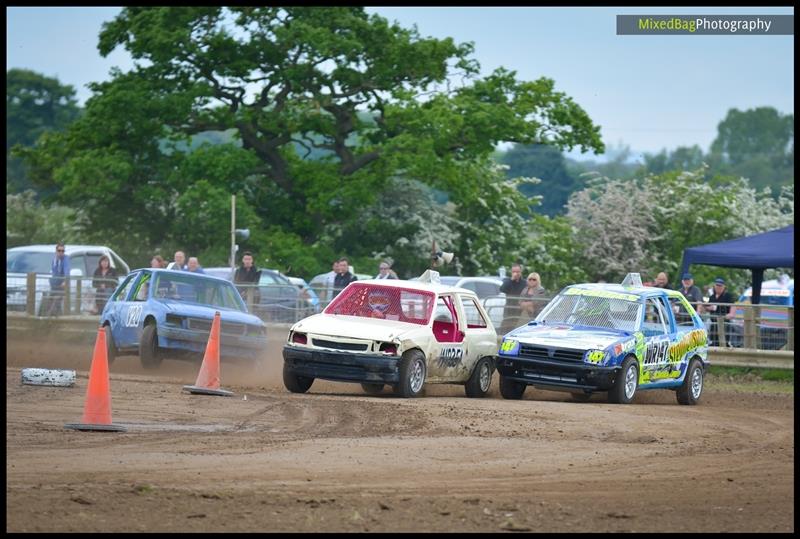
372, 389
626, 384
295, 383
511, 389
111, 348
478, 384
149, 354
692, 387
412, 374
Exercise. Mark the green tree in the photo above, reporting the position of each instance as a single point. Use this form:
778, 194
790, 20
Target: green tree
682, 158
35, 104
548, 164
377, 98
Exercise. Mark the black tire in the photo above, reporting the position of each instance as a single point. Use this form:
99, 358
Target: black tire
372, 389
149, 354
479, 382
412, 374
295, 383
626, 384
111, 348
511, 389
692, 388
580, 396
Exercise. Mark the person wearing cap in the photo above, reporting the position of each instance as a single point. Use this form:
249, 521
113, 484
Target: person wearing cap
713, 306
690, 291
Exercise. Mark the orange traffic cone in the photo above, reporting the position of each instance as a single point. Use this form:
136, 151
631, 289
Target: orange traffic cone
208, 379
97, 408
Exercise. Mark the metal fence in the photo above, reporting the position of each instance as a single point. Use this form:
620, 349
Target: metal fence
754, 327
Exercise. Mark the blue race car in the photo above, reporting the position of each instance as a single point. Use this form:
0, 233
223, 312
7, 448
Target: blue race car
606, 337
164, 313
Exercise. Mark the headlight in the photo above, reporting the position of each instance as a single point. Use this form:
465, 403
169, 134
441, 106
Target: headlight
595, 356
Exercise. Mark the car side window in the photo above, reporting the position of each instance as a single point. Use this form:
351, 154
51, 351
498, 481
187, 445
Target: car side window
123, 290
682, 316
473, 315
442, 312
142, 287
655, 321
78, 262
485, 290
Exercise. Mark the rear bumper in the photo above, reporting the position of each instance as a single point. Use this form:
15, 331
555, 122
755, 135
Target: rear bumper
558, 375
342, 366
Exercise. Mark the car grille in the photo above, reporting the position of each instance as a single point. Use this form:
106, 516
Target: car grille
227, 328
558, 354
339, 345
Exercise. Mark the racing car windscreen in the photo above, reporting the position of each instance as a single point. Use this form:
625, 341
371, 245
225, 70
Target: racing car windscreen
593, 311
384, 302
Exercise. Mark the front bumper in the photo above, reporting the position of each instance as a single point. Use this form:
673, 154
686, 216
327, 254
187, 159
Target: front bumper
196, 341
558, 375
342, 366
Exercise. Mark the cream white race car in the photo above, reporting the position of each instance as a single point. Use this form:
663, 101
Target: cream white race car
401, 333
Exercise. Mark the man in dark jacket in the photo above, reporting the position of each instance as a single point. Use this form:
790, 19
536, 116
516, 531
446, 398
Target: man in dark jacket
512, 287
343, 276
247, 274
720, 295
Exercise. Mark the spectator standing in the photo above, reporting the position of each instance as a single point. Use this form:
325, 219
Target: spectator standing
719, 295
157, 262
104, 281
59, 270
343, 276
662, 281
179, 263
327, 294
248, 275
690, 291
529, 308
385, 271
194, 265
512, 287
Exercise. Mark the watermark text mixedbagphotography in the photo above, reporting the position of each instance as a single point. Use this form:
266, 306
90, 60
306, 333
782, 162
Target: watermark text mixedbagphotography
705, 24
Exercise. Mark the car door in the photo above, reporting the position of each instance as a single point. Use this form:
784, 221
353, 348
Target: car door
478, 332
447, 352
659, 333
128, 309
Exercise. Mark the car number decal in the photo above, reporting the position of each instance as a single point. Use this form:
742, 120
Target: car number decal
656, 352
450, 356
134, 314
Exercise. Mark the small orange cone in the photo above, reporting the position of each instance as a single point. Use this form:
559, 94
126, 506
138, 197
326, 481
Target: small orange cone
97, 408
208, 379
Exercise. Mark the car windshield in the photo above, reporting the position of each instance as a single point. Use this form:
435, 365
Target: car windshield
604, 310
188, 288
28, 262
384, 302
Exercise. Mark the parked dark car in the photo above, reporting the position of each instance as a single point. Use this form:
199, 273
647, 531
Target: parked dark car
275, 299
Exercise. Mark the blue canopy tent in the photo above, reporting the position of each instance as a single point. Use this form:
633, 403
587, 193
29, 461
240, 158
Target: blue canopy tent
773, 249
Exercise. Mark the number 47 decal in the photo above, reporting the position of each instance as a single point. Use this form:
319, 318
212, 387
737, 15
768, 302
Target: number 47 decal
134, 314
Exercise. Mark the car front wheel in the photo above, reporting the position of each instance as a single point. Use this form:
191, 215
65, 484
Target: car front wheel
692, 387
148, 348
412, 374
295, 383
372, 389
627, 382
511, 389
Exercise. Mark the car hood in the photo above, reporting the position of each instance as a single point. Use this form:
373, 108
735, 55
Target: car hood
354, 327
204, 311
567, 336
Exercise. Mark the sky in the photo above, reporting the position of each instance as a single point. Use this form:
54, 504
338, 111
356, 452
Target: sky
645, 92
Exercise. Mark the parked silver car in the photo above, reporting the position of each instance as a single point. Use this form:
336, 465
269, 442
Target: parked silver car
37, 259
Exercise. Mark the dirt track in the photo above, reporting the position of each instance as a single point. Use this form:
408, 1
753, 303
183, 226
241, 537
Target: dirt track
336, 460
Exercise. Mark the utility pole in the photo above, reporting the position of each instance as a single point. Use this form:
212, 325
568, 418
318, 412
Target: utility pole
233, 232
